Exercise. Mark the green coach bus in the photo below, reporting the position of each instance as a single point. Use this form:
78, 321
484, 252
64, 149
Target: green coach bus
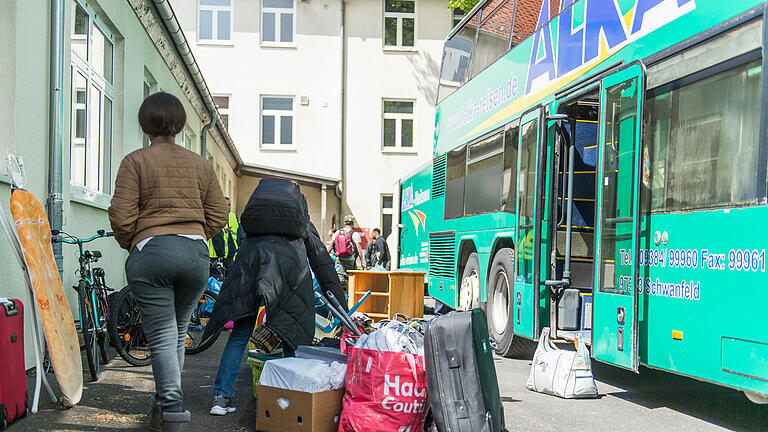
601, 170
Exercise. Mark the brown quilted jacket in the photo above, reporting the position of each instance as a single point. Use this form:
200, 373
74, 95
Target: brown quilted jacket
165, 189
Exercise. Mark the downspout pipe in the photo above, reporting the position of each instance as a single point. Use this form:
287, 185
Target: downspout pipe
174, 28
342, 122
204, 135
55, 202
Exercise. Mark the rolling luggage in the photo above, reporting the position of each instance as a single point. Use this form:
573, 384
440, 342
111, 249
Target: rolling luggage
461, 377
13, 377
276, 207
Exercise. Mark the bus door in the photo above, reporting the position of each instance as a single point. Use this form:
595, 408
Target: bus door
614, 330
527, 231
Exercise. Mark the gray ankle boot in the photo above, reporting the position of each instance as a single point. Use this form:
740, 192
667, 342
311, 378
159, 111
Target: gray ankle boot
175, 421
155, 416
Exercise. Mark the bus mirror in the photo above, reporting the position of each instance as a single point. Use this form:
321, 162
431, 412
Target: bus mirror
558, 116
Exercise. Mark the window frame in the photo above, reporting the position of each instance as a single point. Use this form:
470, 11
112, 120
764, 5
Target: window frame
398, 117
225, 113
276, 146
214, 24
386, 211
278, 14
399, 36
94, 81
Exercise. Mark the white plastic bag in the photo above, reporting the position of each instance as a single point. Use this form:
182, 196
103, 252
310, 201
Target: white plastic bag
394, 336
306, 375
567, 374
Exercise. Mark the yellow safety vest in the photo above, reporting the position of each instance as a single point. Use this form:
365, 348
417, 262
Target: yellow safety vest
234, 226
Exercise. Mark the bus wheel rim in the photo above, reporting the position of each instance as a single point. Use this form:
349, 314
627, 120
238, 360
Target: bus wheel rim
470, 286
500, 311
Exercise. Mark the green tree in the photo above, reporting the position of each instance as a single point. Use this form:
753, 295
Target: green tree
465, 5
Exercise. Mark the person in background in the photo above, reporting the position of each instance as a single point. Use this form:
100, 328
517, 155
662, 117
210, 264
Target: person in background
370, 254
382, 258
166, 202
346, 245
225, 243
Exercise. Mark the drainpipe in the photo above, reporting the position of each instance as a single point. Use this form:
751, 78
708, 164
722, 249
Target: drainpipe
342, 107
204, 135
54, 202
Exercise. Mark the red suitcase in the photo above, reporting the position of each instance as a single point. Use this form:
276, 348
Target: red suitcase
13, 377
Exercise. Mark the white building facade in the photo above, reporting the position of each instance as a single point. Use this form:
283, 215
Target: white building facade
340, 94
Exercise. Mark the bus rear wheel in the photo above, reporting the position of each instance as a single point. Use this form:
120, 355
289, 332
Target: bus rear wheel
500, 308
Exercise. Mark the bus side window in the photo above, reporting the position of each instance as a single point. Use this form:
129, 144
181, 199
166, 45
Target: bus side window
455, 172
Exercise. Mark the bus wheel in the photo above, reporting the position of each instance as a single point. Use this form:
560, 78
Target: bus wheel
756, 397
500, 307
469, 290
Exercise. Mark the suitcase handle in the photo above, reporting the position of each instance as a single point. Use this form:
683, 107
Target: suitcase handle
11, 308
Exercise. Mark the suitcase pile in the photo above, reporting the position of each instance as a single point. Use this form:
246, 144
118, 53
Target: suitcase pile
461, 377
13, 379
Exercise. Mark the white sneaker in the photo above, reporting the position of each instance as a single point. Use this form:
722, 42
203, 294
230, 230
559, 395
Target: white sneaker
222, 406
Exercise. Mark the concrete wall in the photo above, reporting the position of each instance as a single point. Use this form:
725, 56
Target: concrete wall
246, 70
24, 44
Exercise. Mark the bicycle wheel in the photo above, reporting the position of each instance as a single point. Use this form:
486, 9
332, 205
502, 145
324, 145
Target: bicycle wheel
197, 322
103, 336
88, 329
125, 330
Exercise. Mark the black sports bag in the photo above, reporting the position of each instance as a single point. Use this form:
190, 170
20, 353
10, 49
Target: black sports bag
276, 207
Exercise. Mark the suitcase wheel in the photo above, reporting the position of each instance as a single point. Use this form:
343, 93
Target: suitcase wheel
3, 417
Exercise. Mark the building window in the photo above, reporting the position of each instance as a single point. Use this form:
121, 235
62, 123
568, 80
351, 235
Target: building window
214, 22
186, 139
91, 104
277, 121
222, 103
398, 125
386, 215
457, 15
277, 22
399, 23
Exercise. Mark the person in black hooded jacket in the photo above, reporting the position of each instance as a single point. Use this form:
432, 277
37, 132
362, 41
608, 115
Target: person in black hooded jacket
271, 270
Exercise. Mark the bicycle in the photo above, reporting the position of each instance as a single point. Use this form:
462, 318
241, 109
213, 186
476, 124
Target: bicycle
127, 334
92, 294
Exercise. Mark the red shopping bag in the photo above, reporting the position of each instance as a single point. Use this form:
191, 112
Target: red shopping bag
385, 391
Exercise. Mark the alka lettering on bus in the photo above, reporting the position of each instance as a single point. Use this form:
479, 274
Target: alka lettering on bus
411, 199
603, 30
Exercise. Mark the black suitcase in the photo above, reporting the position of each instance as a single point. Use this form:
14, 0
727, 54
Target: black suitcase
461, 377
276, 207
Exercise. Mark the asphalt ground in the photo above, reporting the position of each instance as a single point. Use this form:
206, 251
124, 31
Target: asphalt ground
650, 401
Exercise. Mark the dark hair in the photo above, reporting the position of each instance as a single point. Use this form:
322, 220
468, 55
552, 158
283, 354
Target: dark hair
162, 114
377, 231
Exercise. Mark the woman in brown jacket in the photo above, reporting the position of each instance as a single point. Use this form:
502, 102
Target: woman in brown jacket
167, 203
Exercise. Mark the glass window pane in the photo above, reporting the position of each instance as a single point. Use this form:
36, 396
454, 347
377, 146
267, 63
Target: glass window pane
526, 194
386, 201
223, 25
206, 25
408, 31
493, 38
286, 130
509, 179
390, 31
93, 149
79, 38
225, 119
403, 6
406, 133
456, 166
268, 27
268, 129
108, 60
398, 107
483, 189
107, 147
456, 55
98, 51
221, 101
277, 103
386, 225
714, 125
79, 125
286, 27
283, 4
215, 2
389, 132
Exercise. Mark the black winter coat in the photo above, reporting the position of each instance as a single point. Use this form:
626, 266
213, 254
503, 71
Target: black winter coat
272, 270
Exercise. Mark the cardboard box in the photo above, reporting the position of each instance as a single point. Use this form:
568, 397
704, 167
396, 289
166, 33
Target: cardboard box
316, 412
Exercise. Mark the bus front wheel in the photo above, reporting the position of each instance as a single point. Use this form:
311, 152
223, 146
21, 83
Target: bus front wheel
469, 290
500, 308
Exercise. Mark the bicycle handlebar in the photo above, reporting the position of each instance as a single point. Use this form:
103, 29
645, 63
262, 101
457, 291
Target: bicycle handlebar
70, 239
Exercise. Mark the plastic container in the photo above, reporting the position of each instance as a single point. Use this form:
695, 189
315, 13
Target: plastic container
568, 310
256, 361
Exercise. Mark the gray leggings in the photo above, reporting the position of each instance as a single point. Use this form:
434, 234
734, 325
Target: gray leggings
167, 278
